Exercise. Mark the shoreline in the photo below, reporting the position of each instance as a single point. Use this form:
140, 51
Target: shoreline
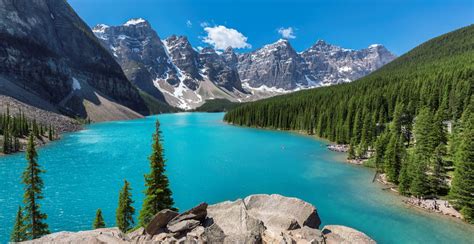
431, 205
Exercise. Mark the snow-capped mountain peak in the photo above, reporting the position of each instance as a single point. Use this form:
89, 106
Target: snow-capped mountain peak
173, 71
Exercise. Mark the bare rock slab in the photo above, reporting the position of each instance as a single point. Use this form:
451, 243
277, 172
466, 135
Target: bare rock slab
337, 234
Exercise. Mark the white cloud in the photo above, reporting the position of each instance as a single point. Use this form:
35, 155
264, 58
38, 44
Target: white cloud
287, 33
204, 24
189, 24
222, 37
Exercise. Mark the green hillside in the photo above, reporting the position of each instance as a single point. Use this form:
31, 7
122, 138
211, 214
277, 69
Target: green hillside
413, 117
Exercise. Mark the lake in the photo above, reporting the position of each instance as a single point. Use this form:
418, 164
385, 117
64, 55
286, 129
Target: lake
211, 161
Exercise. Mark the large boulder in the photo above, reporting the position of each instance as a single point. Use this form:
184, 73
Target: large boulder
159, 221
282, 213
338, 234
235, 222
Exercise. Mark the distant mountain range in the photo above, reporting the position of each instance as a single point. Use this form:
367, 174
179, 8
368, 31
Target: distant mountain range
174, 72
50, 59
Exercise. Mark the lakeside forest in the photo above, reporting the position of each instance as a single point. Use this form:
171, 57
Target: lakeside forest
15, 128
413, 119
31, 223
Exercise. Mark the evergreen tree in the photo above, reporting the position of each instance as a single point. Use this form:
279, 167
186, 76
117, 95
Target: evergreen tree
419, 180
50, 133
462, 190
157, 193
351, 151
19, 232
380, 147
404, 179
125, 210
438, 176
34, 218
99, 220
392, 159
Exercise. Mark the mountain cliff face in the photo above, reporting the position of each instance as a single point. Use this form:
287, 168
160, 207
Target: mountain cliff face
173, 71
275, 65
326, 64
278, 65
51, 58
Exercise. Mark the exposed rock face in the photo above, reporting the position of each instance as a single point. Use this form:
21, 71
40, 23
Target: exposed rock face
326, 64
140, 52
48, 52
255, 219
275, 65
336, 234
221, 69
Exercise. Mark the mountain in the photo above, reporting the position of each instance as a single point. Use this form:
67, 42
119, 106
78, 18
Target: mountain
326, 64
275, 65
172, 71
53, 61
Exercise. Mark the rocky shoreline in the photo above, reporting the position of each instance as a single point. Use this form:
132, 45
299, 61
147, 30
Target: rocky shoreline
255, 219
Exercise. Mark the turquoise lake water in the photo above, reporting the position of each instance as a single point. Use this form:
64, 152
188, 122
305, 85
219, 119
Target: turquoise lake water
211, 161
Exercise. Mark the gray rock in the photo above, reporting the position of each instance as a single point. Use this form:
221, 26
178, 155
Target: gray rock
198, 213
214, 234
306, 234
159, 221
182, 226
279, 212
236, 223
338, 234
136, 233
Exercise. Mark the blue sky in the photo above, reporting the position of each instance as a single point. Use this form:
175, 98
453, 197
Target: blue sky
398, 24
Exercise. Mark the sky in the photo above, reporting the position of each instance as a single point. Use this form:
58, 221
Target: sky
246, 25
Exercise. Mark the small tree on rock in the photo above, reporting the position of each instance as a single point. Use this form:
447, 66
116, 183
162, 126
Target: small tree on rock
99, 220
19, 232
157, 193
125, 210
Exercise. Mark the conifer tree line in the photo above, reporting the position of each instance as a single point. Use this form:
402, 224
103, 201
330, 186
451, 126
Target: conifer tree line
16, 127
412, 118
30, 221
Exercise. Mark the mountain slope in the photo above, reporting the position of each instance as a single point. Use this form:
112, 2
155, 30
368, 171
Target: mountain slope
441, 69
50, 55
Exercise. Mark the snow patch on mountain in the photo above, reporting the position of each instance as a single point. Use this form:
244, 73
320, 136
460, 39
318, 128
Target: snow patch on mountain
134, 22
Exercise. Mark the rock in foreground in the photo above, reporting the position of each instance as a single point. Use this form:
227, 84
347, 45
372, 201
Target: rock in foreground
255, 219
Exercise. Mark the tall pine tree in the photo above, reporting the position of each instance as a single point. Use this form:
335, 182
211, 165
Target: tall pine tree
34, 218
157, 193
125, 210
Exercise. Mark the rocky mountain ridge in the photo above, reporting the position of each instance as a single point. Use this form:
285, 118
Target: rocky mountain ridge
255, 219
51, 59
173, 71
